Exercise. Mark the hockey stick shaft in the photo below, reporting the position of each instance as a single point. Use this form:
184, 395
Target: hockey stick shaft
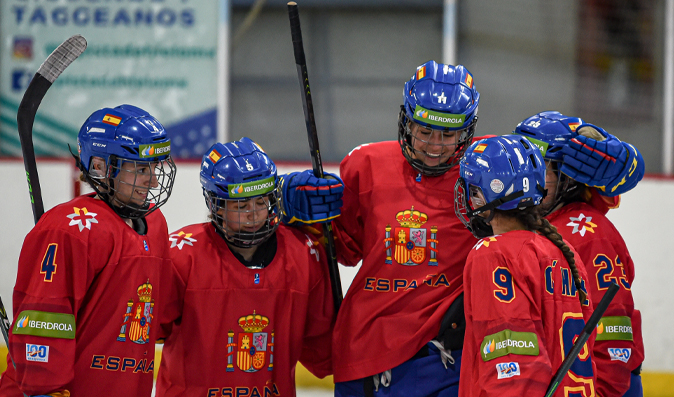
48, 72
5, 331
582, 339
5, 323
307, 104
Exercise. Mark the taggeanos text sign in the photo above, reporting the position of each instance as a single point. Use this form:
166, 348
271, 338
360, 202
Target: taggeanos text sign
159, 55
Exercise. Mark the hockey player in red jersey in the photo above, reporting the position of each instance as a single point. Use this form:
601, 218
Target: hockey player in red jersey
395, 220
89, 271
251, 299
579, 215
400, 328
525, 298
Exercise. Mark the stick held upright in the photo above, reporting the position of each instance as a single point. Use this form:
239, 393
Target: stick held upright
316, 162
48, 72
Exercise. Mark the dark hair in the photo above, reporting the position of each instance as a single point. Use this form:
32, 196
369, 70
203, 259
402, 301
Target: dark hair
532, 220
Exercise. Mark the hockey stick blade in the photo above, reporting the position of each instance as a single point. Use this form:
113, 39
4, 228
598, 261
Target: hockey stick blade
48, 72
307, 104
582, 339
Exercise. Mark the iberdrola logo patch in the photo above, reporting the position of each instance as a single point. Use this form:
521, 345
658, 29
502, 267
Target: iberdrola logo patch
509, 342
252, 189
154, 150
437, 118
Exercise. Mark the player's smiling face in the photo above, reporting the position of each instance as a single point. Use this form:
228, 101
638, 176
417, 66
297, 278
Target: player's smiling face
432, 147
134, 181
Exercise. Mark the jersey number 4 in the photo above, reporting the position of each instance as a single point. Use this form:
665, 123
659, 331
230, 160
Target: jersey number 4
48, 267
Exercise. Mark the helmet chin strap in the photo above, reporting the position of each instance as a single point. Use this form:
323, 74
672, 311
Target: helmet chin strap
480, 226
490, 206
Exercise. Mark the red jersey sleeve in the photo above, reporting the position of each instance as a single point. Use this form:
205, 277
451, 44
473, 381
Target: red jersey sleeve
316, 353
176, 283
54, 274
507, 326
349, 226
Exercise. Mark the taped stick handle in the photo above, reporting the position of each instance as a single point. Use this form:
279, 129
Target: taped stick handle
582, 339
316, 162
296, 33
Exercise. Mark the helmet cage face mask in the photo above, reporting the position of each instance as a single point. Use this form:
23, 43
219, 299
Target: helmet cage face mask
477, 225
240, 186
564, 188
238, 220
460, 140
133, 188
138, 171
440, 99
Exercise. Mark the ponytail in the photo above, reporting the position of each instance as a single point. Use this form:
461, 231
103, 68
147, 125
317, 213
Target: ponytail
532, 220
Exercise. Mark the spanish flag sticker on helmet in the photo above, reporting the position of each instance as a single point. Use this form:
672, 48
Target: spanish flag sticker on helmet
573, 126
469, 80
112, 120
214, 156
421, 72
480, 148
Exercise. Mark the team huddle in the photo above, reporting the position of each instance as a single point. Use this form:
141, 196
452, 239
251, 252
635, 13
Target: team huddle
482, 261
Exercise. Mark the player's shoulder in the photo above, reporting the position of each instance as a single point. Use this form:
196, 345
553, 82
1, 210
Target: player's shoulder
81, 216
295, 236
299, 243
191, 237
507, 242
488, 250
378, 150
156, 219
581, 220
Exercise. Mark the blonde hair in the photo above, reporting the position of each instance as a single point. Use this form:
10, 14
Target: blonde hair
591, 132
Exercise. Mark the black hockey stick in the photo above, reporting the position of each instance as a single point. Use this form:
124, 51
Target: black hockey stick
307, 104
5, 323
582, 338
48, 72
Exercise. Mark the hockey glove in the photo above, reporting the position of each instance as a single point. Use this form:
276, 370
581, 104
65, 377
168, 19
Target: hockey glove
306, 199
610, 165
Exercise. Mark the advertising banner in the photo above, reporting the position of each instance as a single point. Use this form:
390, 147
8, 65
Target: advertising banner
160, 55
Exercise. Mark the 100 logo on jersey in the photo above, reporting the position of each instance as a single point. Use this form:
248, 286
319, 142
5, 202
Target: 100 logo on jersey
39, 353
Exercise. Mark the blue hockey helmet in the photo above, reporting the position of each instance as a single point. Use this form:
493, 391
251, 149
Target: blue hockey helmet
507, 170
550, 131
237, 178
127, 139
442, 99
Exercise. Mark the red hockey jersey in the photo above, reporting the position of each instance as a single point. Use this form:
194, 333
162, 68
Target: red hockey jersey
619, 348
84, 303
238, 331
413, 247
522, 316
